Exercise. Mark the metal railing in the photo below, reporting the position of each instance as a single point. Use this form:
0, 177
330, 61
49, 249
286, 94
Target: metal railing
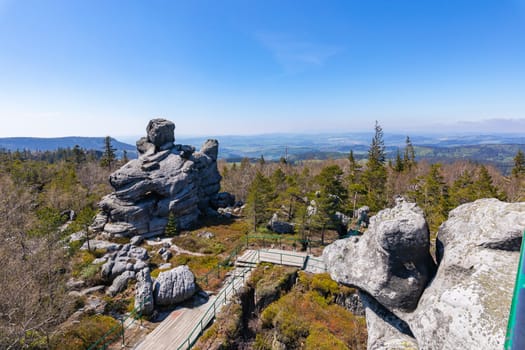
515, 338
211, 312
119, 330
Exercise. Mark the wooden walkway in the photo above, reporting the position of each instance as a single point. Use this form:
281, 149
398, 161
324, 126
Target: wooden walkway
184, 325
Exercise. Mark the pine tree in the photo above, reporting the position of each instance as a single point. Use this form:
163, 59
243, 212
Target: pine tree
409, 156
431, 194
332, 198
484, 186
374, 177
171, 227
462, 191
259, 199
519, 164
108, 156
399, 165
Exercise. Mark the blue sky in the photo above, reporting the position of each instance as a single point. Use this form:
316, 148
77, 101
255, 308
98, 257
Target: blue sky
105, 67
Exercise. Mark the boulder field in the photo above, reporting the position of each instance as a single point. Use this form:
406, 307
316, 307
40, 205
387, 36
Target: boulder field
461, 301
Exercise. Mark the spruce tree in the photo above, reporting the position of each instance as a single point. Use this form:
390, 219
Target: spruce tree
409, 156
171, 227
259, 199
519, 164
332, 197
374, 177
108, 157
399, 165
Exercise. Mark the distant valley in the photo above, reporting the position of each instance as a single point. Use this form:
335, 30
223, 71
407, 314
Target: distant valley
496, 149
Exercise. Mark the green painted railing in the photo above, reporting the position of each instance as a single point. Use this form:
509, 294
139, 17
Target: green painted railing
211, 312
515, 339
119, 330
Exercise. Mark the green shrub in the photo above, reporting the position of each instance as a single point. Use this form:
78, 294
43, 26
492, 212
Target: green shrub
87, 332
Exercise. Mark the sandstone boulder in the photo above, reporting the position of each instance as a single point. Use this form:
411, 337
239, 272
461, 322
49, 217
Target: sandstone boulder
397, 247
166, 178
385, 330
174, 286
467, 304
144, 293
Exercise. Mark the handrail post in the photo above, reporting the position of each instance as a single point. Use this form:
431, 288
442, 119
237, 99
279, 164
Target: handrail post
515, 338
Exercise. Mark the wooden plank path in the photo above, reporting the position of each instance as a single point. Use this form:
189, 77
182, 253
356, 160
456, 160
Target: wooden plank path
183, 326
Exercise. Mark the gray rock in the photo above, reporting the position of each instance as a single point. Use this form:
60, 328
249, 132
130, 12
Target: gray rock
139, 265
138, 253
222, 200
165, 179
160, 132
385, 330
96, 244
205, 234
73, 284
166, 256
165, 266
174, 286
280, 226
144, 293
467, 304
77, 236
136, 240
99, 261
397, 245
120, 283
92, 290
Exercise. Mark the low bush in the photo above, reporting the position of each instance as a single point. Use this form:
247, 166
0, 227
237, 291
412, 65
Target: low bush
89, 330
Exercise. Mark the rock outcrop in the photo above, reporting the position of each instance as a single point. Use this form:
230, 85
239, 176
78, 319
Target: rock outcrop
166, 178
397, 245
174, 286
278, 226
464, 306
144, 293
467, 304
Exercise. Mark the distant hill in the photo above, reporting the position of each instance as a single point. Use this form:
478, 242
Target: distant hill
51, 144
498, 150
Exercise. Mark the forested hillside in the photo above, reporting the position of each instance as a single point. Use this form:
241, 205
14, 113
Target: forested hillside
45, 200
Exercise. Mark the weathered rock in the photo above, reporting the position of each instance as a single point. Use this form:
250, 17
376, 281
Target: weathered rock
120, 283
205, 234
167, 255
95, 244
73, 284
467, 304
136, 240
77, 236
174, 286
280, 226
165, 179
385, 330
160, 132
222, 200
144, 293
397, 246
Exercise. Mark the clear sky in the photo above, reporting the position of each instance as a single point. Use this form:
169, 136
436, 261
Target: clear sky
105, 67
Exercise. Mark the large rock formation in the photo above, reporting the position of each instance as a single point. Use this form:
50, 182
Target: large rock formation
166, 178
397, 246
174, 286
465, 306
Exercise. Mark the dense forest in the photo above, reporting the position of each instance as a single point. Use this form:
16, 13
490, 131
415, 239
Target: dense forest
45, 197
